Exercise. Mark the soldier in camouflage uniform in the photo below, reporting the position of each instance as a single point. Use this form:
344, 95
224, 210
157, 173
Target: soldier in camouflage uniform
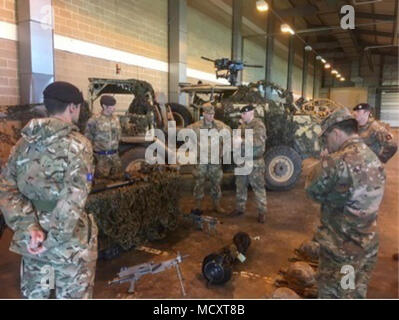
209, 171
257, 178
43, 192
104, 131
374, 134
349, 183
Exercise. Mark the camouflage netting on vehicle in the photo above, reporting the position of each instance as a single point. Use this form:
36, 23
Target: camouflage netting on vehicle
280, 125
23, 113
85, 115
136, 124
131, 215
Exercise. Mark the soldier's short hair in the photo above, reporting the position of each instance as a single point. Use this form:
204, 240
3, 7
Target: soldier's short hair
55, 106
349, 126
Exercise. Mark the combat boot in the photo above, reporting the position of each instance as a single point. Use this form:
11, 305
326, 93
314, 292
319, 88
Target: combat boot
198, 207
262, 217
235, 213
217, 208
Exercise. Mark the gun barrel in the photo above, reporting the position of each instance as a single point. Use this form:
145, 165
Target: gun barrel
252, 66
207, 59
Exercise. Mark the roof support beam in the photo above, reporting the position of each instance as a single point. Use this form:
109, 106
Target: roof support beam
374, 33
375, 16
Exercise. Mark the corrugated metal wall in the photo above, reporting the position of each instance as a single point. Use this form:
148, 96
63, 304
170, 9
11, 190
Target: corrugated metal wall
390, 96
390, 107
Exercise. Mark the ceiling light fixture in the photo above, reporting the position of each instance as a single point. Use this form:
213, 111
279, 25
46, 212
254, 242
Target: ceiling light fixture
287, 29
262, 6
308, 48
327, 66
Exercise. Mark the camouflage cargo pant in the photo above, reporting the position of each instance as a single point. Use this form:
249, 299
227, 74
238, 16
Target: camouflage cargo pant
211, 172
109, 166
257, 181
70, 281
332, 284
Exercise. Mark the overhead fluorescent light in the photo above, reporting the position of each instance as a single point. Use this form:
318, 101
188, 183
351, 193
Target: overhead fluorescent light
327, 66
334, 71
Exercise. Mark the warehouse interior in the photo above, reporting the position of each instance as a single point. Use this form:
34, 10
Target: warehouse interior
163, 43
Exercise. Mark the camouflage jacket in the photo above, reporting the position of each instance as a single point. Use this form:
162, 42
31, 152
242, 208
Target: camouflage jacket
259, 140
45, 184
104, 132
349, 184
220, 127
379, 139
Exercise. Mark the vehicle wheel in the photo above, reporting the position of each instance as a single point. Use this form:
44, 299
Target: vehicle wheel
133, 157
181, 115
283, 168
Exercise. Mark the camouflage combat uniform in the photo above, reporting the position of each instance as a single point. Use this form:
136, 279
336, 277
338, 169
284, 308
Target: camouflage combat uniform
349, 184
378, 139
44, 186
105, 133
211, 172
257, 178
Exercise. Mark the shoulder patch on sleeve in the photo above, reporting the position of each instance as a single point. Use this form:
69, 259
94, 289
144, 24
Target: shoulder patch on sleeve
90, 177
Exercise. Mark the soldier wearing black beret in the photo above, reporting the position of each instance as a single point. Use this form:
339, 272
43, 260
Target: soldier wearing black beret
43, 191
257, 177
104, 131
375, 134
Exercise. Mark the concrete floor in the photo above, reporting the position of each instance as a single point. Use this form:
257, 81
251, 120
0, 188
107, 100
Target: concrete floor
292, 218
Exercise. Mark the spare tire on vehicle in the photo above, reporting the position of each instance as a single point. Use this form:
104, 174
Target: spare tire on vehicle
181, 115
283, 168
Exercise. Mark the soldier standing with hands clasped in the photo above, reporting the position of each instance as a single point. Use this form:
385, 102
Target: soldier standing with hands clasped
204, 171
43, 192
257, 177
104, 131
349, 183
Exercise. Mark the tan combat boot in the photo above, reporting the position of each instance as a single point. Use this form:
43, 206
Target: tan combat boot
217, 208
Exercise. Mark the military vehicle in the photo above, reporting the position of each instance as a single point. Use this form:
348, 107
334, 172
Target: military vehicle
144, 112
293, 127
121, 208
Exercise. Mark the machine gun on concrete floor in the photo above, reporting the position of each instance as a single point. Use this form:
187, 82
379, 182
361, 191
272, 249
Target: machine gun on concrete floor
133, 274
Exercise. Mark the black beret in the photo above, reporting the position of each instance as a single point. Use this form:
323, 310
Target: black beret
362, 106
64, 92
247, 109
107, 101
